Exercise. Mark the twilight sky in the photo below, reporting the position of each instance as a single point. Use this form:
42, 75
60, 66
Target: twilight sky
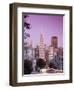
48, 25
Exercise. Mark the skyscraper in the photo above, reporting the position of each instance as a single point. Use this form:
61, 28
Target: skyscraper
37, 52
54, 41
60, 52
42, 48
55, 51
30, 50
51, 53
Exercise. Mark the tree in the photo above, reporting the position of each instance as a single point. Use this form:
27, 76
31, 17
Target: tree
28, 67
26, 35
56, 63
40, 64
27, 26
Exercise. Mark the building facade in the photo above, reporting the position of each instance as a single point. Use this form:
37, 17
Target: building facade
42, 47
54, 42
51, 52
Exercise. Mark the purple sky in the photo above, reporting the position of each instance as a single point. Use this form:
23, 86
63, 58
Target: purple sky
48, 25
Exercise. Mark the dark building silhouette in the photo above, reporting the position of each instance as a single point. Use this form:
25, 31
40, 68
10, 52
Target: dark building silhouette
54, 42
37, 52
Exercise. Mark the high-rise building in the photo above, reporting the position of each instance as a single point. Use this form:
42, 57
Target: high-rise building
60, 52
37, 52
31, 51
51, 52
55, 51
46, 54
28, 50
42, 47
54, 41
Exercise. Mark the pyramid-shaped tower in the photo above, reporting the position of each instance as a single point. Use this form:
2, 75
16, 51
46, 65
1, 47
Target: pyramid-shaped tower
41, 47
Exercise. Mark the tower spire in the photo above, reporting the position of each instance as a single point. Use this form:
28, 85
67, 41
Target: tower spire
41, 47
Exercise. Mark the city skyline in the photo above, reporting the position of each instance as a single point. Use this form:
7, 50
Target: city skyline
30, 42
44, 24
43, 37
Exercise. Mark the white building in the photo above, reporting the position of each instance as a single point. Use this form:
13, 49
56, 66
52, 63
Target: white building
51, 53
